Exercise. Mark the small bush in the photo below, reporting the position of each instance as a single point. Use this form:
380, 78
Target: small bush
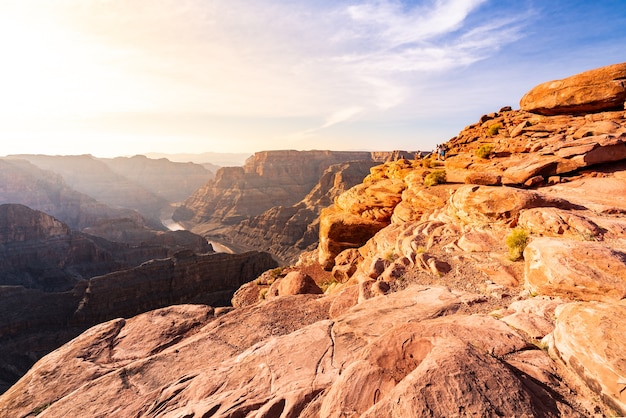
484, 151
434, 178
494, 129
391, 256
517, 241
429, 163
326, 284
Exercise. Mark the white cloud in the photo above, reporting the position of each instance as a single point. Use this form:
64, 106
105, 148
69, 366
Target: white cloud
330, 61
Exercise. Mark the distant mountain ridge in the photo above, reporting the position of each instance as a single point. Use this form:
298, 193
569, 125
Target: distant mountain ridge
214, 159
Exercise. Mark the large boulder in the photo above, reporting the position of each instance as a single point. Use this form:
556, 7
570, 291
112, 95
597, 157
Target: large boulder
589, 337
591, 91
294, 283
486, 204
582, 270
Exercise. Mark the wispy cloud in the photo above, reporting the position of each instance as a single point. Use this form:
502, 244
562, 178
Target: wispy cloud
325, 61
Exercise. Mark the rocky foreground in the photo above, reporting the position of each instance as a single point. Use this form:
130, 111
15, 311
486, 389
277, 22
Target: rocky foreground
489, 284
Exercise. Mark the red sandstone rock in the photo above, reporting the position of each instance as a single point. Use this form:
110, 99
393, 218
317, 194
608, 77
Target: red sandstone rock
339, 231
486, 204
580, 270
592, 91
559, 222
589, 337
534, 317
294, 283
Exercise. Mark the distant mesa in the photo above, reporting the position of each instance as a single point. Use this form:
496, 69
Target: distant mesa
211, 160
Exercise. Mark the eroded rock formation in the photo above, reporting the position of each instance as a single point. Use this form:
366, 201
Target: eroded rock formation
268, 179
24, 183
287, 231
54, 282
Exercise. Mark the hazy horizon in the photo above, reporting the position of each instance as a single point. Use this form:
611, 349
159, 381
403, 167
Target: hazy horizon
117, 78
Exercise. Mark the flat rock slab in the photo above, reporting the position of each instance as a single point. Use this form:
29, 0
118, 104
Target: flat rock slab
589, 337
581, 270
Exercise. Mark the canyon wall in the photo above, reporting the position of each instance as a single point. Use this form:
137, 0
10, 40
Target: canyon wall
268, 179
55, 283
24, 183
137, 183
169, 180
287, 231
272, 203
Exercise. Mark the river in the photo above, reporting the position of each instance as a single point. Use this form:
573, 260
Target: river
172, 225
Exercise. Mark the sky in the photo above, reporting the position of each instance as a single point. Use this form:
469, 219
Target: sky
125, 77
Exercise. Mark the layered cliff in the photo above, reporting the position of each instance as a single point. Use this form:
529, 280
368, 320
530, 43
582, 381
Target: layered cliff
24, 183
268, 179
137, 183
55, 283
286, 232
273, 202
489, 284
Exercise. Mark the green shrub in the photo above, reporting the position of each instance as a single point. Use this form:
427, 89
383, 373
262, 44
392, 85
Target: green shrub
484, 151
391, 256
517, 241
327, 283
434, 178
494, 129
428, 163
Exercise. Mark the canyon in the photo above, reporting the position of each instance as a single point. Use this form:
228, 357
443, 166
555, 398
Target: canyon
488, 283
55, 283
272, 203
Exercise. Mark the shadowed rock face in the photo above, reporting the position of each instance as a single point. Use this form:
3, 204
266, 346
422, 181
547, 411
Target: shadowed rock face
93, 177
55, 283
139, 183
169, 180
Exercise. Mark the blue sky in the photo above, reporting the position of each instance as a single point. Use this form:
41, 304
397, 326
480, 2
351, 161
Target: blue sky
118, 77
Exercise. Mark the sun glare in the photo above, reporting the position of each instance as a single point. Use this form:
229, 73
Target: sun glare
49, 71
